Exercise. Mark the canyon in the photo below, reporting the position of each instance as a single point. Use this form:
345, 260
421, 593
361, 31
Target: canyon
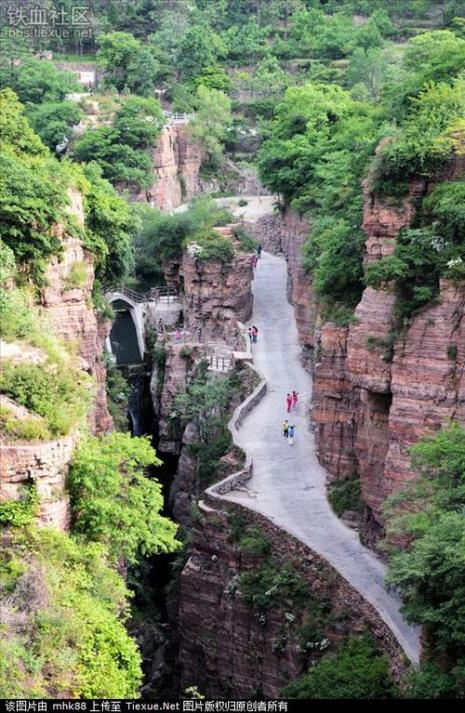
367, 408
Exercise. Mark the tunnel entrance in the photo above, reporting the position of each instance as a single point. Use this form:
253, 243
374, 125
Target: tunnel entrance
123, 336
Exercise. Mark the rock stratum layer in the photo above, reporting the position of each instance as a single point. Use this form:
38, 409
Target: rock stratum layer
231, 648
376, 390
68, 311
176, 159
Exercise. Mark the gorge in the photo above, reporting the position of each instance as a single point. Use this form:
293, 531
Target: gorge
292, 171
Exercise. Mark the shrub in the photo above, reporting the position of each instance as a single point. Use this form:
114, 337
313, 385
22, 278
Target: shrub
357, 670
118, 391
246, 241
431, 572
50, 390
113, 500
18, 513
271, 585
209, 245
345, 495
254, 543
73, 606
77, 276
29, 429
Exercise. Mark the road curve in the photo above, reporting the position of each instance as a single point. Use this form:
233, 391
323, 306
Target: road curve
288, 483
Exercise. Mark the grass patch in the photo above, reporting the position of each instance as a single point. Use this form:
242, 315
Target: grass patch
345, 495
51, 390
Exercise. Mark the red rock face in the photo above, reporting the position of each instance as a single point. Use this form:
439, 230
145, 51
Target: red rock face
334, 404
230, 649
294, 231
217, 295
428, 379
177, 160
368, 360
66, 303
45, 465
391, 392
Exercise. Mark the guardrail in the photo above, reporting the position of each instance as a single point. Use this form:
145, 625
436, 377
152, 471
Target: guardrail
219, 363
170, 293
152, 295
177, 117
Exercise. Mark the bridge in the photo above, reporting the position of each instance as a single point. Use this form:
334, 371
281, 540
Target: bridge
134, 310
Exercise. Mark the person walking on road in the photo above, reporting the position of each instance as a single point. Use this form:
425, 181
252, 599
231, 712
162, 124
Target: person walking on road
289, 402
259, 251
295, 398
290, 435
199, 333
250, 333
285, 428
254, 334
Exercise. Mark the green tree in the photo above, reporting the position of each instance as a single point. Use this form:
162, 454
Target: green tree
246, 41
31, 190
369, 67
210, 122
15, 131
36, 81
127, 63
430, 572
110, 227
53, 121
198, 51
121, 149
139, 122
113, 499
358, 670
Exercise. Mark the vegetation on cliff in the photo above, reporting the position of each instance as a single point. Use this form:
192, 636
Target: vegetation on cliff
427, 518
320, 148
65, 602
320, 88
358, 670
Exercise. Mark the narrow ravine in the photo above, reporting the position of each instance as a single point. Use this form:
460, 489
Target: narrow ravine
288, 483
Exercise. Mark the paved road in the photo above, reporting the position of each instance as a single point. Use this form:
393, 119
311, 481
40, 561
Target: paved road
288, 484
256, 207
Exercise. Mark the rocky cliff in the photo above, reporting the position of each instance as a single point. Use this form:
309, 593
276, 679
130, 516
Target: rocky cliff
66, 307
230, 647
176, 160
377, 390
216, 294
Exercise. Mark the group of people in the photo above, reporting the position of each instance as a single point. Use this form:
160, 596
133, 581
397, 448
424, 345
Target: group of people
289, 429
253, 334
289, 432
291, 401
256, 256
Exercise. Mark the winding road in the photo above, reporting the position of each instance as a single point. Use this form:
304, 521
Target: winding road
288, 483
